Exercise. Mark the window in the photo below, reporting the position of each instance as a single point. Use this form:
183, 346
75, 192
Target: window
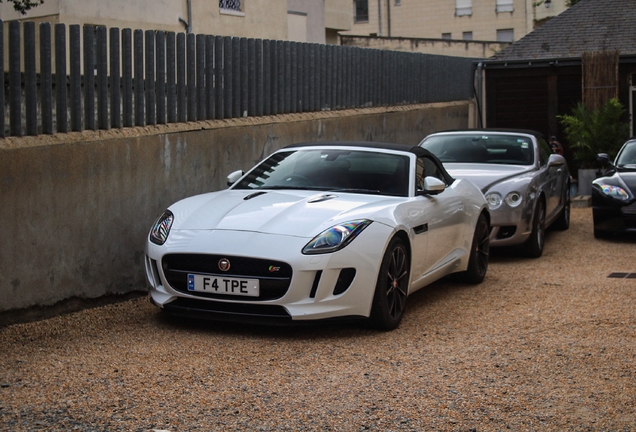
463, 7
233, 5
360, 11
446, 36
398, 2
467, 36
505, 6
506, 35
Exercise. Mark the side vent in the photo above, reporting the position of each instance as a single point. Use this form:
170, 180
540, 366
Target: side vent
344, 280
314, 286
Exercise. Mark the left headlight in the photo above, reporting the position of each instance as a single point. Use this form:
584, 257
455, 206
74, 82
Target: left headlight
336, 237
612, 191
161, 228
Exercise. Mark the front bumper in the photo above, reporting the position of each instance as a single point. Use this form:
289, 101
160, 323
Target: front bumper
320, 286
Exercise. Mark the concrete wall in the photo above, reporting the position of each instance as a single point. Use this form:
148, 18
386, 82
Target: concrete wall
455, 48
77, 207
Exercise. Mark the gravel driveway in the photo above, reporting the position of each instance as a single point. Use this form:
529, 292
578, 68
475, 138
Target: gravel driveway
543, 344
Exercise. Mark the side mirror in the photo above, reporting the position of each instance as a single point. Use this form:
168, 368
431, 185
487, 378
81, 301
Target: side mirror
432, 186
603, 158
233, 177
556, 160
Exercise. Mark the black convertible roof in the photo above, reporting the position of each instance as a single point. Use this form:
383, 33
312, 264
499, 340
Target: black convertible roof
368, 144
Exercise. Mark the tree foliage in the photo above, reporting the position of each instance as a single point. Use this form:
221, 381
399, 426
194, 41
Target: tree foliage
23, 6
590, 132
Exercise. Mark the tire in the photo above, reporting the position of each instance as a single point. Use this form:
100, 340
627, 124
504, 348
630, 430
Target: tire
391, 290
479, 253
533, 247
563, 222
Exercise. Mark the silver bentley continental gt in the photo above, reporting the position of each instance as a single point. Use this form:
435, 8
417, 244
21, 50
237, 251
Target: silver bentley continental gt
527, 186
319, 231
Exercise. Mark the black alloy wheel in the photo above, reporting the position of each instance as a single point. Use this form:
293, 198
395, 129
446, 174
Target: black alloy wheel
389, 300
479, 253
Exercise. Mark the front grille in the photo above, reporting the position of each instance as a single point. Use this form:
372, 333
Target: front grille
236, 312
274, 276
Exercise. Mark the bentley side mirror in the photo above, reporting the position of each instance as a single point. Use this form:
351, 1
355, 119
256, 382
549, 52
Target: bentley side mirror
233, 177
432, 186
556, 160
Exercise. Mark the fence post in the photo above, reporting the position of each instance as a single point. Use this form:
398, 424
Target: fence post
244, 78
127, 84
160, 83
218, 76
182, 113
251, 74
115, 80
89, 77
46, 79
200, 73
15, 80
209, 78
286, 77
140, 109
30, 86
151, 114
267, 77
171, 86
76, 77
236, 77
191, 73
227, 76
259, 76
102, 78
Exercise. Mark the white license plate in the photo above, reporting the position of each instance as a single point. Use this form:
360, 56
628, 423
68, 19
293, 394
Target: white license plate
223, 285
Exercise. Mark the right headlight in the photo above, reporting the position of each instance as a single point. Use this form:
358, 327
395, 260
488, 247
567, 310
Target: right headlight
161, 228
612, 191
513, 199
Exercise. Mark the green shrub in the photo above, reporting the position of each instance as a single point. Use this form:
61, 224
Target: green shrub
590, 132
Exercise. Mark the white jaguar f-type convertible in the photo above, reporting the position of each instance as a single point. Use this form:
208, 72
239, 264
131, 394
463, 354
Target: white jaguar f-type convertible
319, 231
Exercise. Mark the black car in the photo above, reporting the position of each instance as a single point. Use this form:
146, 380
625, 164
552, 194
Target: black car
614, 194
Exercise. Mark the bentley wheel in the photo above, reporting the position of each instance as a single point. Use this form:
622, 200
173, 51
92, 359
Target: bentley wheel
479, 253
534, 245
391, 289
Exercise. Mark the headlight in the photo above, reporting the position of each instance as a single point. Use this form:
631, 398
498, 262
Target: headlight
161, 228
336, 237
513, 199
615, 192
494, 200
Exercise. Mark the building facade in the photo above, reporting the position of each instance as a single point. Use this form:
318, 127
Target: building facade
316, 21
465, 20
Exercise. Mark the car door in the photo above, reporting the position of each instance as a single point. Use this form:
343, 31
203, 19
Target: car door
443, 215
552, 178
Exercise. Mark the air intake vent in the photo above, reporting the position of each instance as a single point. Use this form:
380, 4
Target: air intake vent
344, 280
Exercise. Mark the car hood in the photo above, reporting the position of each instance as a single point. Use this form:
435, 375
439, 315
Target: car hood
299, 213
629, 178
486, 175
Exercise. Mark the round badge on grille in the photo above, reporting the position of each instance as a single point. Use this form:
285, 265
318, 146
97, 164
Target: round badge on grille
224, 264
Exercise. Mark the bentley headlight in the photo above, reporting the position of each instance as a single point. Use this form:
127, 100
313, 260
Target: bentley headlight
161, 228
513, 199
336, 237
615, 192
494, 200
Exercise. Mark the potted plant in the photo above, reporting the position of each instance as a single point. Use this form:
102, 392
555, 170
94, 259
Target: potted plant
590, 132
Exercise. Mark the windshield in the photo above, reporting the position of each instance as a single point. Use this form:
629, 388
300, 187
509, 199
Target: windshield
331, 170
482, 148
627, 157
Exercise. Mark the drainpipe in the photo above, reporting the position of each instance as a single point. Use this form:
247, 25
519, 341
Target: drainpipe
480, 68
388, 17
188, 23
379, 17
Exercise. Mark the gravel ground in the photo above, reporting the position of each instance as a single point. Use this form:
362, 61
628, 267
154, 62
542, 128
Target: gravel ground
543, 344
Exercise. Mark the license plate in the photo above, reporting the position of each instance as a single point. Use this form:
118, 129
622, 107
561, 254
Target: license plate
223, 285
